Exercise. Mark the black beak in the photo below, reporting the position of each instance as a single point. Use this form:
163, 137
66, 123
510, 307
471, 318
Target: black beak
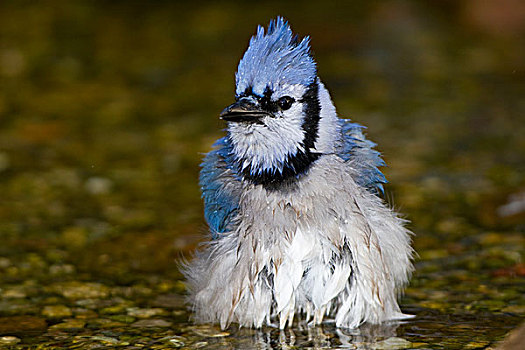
243, 110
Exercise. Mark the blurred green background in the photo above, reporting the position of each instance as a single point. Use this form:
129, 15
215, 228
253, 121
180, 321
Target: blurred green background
107, 106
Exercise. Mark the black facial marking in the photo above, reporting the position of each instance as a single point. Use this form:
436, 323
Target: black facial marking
299, 163
247, 92
266, 101
312, 110
284, 103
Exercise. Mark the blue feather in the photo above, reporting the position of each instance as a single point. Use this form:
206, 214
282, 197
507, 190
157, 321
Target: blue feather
357, 148
220, 197
275, 58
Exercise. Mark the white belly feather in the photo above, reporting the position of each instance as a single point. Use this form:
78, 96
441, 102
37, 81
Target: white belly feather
334, 250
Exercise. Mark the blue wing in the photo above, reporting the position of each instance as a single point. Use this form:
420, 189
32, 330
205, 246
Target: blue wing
220, 188
367, 160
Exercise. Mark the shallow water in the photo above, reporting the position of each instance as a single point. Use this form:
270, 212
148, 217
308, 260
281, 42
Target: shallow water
106, 108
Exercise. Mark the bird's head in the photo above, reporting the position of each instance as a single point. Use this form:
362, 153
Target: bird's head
276, 124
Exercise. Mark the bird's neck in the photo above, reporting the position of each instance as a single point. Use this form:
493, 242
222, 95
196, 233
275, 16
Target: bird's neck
291, 168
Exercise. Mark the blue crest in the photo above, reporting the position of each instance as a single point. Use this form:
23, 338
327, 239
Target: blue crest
274, 59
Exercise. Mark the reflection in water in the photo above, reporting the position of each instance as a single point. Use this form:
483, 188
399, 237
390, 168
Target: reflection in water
428, 330
320, 337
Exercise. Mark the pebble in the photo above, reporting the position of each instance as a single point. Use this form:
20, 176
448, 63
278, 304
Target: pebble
69, 324
81, 290
171, 301
105, 323
98, 185
17, 324
4, 262
200, 344
208, 331
476, 345
116, 309
74, 237
151, 323
9, 340
61, 269
4, 161
176, 341
392, 343
105, 339
145, 313
84, 313
122, 318
56, 311
17, 307
14, 293
517, 309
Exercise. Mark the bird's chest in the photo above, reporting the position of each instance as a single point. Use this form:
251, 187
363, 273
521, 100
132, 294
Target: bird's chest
317, 213
294, 241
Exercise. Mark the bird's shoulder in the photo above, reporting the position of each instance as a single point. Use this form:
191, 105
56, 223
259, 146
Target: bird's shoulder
357, 149
220, 187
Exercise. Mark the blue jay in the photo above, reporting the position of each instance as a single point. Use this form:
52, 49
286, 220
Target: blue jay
292, 199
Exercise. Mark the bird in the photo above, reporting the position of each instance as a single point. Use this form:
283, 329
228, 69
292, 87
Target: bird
293, 197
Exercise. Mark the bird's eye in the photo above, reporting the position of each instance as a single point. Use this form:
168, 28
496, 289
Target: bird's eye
285, 102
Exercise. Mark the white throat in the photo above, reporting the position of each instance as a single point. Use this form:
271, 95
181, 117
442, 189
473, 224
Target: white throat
268, 146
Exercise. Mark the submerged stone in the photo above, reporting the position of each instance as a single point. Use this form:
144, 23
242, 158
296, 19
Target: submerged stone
69, 324
209, 331
146, 313
56, 311
20, 324
392, 343
80, 290
9, 340
151, 323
